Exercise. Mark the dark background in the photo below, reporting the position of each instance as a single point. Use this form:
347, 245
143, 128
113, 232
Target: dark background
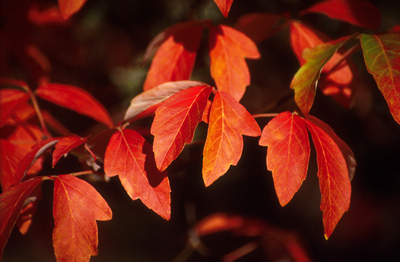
100, 49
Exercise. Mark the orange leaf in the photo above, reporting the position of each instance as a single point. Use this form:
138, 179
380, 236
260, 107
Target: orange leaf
66, 144
175, 122
11, 203
288, 153
357, 12
224, 143
228, 49
333, 177
130, 156
76, 99
224, 6
382, 58
70, 7
174, 60
76, 207
10, 100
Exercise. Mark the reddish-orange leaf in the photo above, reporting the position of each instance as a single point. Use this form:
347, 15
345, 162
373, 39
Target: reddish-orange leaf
258, 26
174, 60
224, 6
76, 207
11, 203
66, 144
288, 153
147, 102
305, 80
25, 217
10, 100
131, 157
175, 122
333, 177
70, 7
10, 158
228, 49
357, 12
76, 99
229, 120
382, 58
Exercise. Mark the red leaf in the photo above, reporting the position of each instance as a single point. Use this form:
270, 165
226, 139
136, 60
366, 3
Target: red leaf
288, 153
224, 143
76, 99
66, 144
10, 157
76, 207
70, 7
10, 100
51, 15
258, 26
175, 122
224, 6
175, 58
228, 49
382, 58
333, 177
25, 217
130, 156
147, 102
11, 203
305, 80
357, 12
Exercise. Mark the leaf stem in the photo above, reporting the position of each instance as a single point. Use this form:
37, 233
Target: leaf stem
265, 115
38, 112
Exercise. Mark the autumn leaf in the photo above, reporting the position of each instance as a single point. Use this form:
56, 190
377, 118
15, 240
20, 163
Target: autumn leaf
10, 157
147, 102
334, 181
11, 203
66, 144
175, 122
76, 99
357, 12
228, 49
288, 153
382, 58
76, 207
130, 156
174, 59
305, 80
229, 120
70, 7
224, 6
11, 99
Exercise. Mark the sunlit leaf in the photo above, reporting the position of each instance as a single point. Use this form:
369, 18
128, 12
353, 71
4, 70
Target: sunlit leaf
229, 120
334, 181
76, 99
382, 58
175, 122
66, 144
11, 203
76, 207
10, 100
130, 157
228, 49
224, 6
288, 153
70, 7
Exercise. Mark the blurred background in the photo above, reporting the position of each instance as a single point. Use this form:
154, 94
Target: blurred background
100, 49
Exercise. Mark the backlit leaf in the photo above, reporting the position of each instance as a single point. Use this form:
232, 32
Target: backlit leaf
76, 99
228, 49
229, 120
66, 144
70, 7
130, 156
141, 103
10, 158
175, 122
11, 203
305, 80
224, 6
357, 12
174, 59
382, 58
333, 177
76, 207
288, 153
10, 100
